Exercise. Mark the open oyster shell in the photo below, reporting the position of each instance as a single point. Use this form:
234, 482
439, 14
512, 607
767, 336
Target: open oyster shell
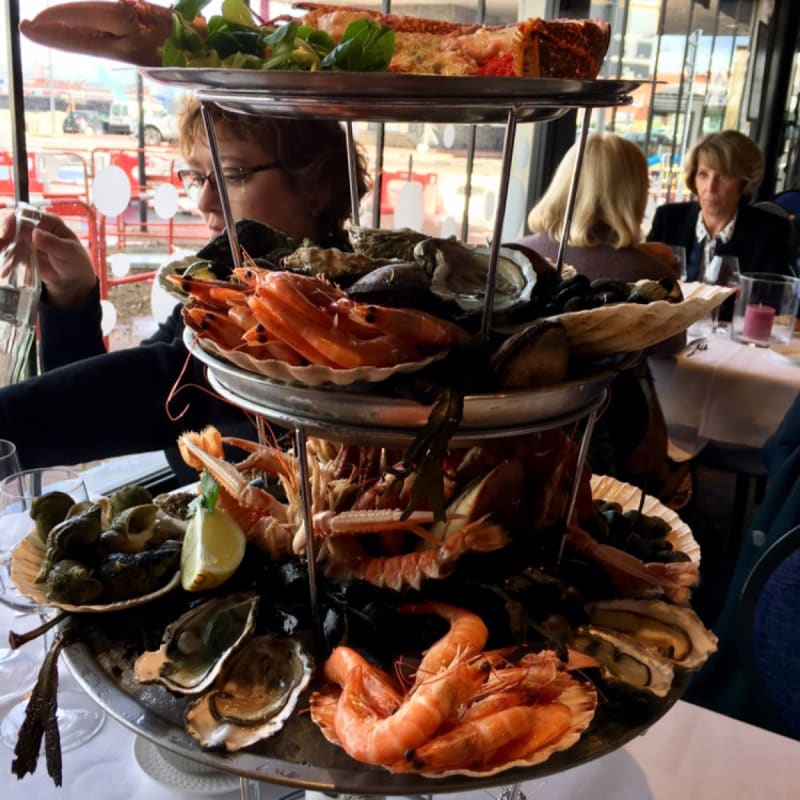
622, 658
254, 698
195, 647
458, 274
676, 632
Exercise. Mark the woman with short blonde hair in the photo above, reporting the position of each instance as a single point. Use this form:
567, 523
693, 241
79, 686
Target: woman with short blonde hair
731, 153
723, 171
611, 196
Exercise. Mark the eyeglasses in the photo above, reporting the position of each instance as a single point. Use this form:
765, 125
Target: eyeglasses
194, 180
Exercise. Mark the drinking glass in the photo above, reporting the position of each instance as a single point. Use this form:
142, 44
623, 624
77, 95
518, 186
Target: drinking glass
721, 271
79, 719
679, 255
18, 668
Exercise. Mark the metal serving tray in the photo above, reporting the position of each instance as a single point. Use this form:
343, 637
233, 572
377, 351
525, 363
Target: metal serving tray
152, 712
372, 411
394, 96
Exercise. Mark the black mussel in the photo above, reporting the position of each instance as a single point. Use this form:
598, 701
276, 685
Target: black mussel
535, 356
404, 285
647, 291
255, 238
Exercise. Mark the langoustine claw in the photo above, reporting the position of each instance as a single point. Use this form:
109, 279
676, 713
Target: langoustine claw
132, 31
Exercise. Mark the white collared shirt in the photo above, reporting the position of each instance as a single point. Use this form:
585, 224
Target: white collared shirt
710, 242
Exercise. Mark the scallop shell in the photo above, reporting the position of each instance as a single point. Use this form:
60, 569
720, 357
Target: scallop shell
628, 327
628, 496
25, 562
313, 374
579, 697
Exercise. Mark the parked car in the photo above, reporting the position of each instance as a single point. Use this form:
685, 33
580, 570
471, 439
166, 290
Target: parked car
159, 124
85, 121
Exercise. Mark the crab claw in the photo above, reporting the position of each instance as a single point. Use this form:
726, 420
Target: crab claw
128, 30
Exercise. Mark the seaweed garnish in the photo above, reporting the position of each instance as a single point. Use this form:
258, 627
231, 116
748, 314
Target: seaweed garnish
41, 716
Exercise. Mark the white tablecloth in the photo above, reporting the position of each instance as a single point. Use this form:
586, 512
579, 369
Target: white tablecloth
730, 394
690, 754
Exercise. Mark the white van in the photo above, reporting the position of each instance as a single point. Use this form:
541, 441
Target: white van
159, 124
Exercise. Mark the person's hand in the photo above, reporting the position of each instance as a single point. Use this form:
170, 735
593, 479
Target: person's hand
64, 264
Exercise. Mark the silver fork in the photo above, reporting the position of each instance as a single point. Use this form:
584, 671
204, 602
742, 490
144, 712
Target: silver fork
696, 344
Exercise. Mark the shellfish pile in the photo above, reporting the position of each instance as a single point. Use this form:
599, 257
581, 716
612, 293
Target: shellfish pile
399, 298
519, 622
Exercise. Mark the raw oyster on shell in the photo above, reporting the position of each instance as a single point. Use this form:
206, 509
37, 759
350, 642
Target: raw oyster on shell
622, 658
459, 273
332, 263
254, 697
380, 243
195, 647
676, 632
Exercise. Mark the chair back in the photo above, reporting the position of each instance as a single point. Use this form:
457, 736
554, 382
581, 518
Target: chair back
768, 634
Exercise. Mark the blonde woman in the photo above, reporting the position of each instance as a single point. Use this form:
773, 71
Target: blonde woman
723, 171
605, 235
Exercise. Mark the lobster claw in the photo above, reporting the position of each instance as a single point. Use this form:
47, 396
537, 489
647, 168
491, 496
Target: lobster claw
132, 31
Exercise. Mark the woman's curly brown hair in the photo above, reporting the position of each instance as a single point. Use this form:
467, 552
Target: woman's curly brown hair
312, 152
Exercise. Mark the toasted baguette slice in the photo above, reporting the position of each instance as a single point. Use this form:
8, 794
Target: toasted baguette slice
534, 48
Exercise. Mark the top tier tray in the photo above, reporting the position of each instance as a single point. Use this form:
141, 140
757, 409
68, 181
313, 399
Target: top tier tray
394, 97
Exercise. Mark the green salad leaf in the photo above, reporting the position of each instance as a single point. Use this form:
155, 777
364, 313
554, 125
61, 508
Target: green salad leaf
235, 40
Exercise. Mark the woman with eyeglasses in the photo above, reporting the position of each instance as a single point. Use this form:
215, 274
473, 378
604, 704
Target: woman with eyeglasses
291, 174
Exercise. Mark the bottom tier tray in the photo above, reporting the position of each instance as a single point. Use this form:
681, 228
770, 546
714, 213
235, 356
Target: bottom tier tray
300, 757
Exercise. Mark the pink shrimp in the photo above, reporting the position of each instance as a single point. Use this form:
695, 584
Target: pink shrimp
466, 637
378, 690
373, 739
469, 743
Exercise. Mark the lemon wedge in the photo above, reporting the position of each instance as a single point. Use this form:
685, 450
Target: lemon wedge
213, 548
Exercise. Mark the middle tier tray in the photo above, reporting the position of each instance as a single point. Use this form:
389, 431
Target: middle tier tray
372, 410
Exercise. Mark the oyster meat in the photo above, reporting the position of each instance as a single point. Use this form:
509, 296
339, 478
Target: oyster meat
459, 274
195, 647
622, 658
254, 697
676, 632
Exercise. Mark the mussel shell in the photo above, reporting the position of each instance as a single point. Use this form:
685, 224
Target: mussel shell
535, 356
404, 285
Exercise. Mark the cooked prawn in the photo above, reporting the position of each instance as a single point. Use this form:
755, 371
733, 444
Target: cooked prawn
467, 636
373, 739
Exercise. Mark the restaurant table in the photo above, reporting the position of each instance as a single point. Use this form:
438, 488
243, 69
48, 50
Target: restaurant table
731, 394
690, 754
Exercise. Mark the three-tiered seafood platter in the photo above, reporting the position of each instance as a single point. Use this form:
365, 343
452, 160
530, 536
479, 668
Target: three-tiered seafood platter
506, 466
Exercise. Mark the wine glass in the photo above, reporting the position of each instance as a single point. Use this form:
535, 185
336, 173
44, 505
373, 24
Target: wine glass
679, 258
721, 271
79, 719
18, 668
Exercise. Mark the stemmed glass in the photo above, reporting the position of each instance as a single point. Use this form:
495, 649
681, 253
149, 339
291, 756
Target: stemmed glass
721, 271
679, 260
79, 719
18, 668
